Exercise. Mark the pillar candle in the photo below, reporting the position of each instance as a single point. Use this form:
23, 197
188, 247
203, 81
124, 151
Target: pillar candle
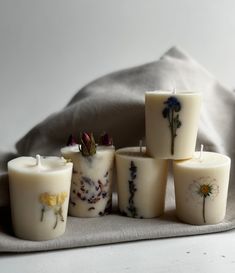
91, 188
39, 194
171, 120
201, 186
141, 183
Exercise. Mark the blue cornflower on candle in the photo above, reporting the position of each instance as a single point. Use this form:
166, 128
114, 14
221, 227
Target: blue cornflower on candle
173, 106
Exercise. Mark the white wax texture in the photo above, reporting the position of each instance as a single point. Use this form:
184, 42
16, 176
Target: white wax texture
162, 134
91, 188
39, 196
201, 187
141, 183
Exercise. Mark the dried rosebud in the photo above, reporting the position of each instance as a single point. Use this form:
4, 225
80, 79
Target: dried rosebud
106, 140
88, 146
71, 141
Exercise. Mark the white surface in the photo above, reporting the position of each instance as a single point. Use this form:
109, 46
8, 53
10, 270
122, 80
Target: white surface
195, 254
49, 49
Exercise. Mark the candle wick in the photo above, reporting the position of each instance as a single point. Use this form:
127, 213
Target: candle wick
141, 144
174, 91
201, 153
38, 161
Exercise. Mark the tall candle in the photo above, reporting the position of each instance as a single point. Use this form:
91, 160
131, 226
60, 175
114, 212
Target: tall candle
91, 188
201, 186
39, 194
171, 120
141, 183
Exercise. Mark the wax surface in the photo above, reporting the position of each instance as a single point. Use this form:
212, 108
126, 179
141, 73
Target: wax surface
201, 186
29, 164
207, 160
141, 183
91, 189
171, 123
39, 196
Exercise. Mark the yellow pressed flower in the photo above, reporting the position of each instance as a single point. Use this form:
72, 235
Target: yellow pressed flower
47, 199
61, 198
53, 202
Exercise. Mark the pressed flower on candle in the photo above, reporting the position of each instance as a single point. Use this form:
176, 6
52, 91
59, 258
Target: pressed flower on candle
132, 189
53, 202
204, 188
173, 106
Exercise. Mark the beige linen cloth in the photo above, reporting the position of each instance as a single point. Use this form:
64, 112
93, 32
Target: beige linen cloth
115, 103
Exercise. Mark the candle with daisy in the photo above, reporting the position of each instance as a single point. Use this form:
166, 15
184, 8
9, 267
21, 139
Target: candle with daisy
39, 194
91, 188
201, 187
141, 183
171, 120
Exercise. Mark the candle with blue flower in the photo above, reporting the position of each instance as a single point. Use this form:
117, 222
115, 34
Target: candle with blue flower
171, 120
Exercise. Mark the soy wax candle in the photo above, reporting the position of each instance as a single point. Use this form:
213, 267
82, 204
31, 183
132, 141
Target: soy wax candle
201, 187
171, 120
91, 188
141, 183
39, 195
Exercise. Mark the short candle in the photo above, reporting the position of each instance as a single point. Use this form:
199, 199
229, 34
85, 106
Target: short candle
141, 183
91, 188
39, 194
201, 186
171, 120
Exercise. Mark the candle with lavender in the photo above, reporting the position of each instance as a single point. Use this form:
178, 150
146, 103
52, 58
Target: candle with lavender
91, 188
141, 183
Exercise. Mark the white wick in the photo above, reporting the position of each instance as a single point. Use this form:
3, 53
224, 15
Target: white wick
141, 144
38, 161
174, 91
201, 153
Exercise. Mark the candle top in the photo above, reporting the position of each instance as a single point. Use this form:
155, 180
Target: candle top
47, 164
175, 93
75, 148
206, 160
133, 152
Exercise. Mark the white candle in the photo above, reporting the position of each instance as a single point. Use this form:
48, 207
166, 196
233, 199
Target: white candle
171, 120
39, 193
201, 186
91, 188
141, 183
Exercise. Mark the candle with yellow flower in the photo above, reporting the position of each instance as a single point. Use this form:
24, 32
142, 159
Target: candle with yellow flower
39, 193
91, 188
201, 187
